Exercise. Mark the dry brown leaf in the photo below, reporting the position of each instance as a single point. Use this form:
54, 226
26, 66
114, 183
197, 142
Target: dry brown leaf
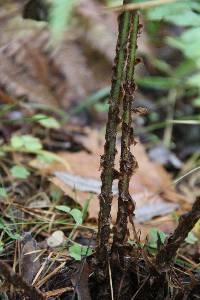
52, 75
67, 73
150, 185
30, 264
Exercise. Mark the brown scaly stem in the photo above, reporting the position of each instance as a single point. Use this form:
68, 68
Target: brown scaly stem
167, 253
116, 97
128, 163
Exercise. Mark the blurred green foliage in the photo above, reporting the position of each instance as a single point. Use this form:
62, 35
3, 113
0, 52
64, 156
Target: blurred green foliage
60, 15
186, 16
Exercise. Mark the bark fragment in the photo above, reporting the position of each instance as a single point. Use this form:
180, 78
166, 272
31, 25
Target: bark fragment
167, 253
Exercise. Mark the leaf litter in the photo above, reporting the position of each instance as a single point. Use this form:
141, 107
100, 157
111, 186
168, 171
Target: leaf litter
38, 215
146, 189
30, 203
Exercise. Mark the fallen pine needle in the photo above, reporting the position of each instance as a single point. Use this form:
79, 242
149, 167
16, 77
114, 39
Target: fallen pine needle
58, 292
55, 271
41, 269
17, 281
110, 278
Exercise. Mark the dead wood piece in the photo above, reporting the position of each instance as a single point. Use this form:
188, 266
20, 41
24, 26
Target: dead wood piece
167, 253
16, 280
30, 265
80, 282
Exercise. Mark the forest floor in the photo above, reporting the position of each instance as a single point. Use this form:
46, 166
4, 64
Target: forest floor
52, 127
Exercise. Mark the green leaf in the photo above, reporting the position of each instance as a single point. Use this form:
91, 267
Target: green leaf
161, 65
186, 18
185, 68
31, 143
102, 107
1, 246
153, 233
154, 116
5, 228
46, 121
19, 172
196, 102
91, 100
191, 238
194, 80
28, 142
183, 263
46, 157
174, 12
159, 13
2, 225
56, 195
2, 153
133, 243
156, 82
188, 42
78, 252
63, 208
86, 207
77, 215
3, 192
13, 236
17, 141
60, 16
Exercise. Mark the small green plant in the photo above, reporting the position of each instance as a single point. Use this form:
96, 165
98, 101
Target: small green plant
5, 228
20, 172
185, 14
60, 15
191, 238
3, 192
157, 236
46, 121
179, 81
1, 246
27, 142
30, 145
76, 251
75, 213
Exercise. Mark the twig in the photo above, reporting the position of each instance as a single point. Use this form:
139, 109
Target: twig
140, 288
167, 253
128, 163
111, 283
16, 280
80, 282
143, 251
41, 268
177, 180
107, 164
58, 292
48, 276
142, 5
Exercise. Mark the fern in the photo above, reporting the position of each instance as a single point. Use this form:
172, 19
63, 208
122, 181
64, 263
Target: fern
185, 14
